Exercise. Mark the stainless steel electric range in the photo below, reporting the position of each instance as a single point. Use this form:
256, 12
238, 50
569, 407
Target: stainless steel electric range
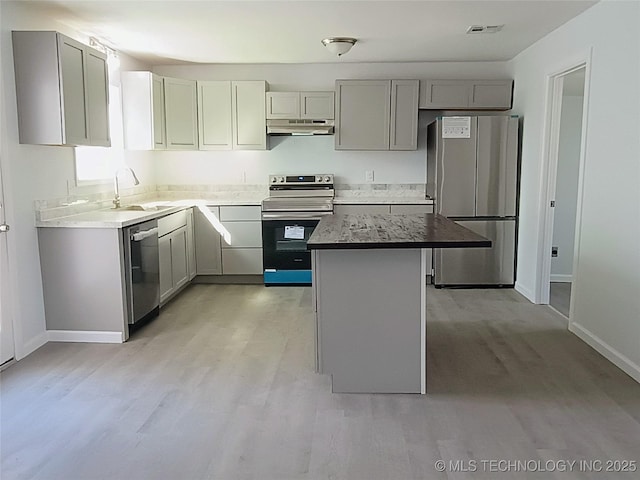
295, 205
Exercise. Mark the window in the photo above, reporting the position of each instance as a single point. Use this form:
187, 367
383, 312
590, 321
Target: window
97, 164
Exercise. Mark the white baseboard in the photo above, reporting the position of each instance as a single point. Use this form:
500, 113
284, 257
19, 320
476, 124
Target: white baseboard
559, 277
31, 346
607, 351
528, 294
84, 336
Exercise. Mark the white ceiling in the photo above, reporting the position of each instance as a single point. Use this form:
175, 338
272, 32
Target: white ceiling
170, 32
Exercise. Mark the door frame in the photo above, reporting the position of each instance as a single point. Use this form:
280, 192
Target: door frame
6, 316
549, 170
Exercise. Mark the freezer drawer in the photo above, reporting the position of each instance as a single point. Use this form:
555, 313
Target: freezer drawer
479, 266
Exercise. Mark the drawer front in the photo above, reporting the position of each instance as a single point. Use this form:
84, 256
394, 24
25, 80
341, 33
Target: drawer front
243, 234
240, 213
242, 261
406, 209
172, 222
360, 209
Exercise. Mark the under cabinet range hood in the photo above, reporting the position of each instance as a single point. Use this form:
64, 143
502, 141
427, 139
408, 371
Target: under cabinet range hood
300, 127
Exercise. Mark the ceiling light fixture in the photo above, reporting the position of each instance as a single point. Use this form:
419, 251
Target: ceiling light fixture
339, 45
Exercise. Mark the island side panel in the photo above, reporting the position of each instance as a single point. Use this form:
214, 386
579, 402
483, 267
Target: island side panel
370, 316
82, 274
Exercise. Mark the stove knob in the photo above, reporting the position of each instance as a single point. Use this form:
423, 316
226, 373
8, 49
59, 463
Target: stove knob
281, 179
274, 179
318, 179
327, 179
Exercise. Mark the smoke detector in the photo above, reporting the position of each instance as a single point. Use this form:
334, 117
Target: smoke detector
484, 28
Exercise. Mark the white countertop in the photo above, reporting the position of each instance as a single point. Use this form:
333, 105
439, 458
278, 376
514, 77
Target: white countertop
382, 200
120, 218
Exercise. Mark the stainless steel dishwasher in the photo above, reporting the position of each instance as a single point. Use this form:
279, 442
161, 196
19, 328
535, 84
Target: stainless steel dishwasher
142, 271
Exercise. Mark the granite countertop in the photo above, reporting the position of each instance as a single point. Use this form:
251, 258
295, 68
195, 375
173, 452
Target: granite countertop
382, 200
392, 231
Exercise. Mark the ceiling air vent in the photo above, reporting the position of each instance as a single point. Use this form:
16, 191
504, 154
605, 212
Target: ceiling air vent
484, 28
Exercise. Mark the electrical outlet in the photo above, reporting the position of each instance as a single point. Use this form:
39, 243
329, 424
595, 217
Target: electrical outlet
369, 176
554, 251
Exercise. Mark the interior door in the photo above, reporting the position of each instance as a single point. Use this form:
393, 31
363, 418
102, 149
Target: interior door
6, 326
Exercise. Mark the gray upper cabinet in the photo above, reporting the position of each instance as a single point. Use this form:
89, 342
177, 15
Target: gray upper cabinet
181, 114
62, 89
98, 98
317, 105
363, 114
444, 94
376, 114
300, 105
404, 115
494, 94
143, 111
466, 94
248, 115
283, 105
214, 115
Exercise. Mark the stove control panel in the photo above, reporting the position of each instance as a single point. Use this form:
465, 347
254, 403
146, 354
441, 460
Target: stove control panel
324, 179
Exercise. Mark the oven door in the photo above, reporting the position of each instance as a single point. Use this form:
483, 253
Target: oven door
284, 242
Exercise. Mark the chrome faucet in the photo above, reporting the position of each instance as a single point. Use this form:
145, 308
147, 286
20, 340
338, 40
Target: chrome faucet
116, 199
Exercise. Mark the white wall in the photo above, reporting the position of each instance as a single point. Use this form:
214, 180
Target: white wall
31, 172
564, 219
310, 154
607, 304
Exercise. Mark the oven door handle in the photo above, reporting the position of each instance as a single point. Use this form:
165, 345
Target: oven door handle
295, 215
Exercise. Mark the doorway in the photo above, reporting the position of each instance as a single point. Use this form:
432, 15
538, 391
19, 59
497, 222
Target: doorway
7, 348
565, 157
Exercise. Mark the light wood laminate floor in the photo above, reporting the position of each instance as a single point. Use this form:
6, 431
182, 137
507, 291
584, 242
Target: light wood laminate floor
560, 296
222, 386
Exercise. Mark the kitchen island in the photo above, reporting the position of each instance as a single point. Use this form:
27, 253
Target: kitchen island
369, 297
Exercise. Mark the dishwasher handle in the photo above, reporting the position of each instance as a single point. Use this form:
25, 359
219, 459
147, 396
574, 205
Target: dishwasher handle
139, 236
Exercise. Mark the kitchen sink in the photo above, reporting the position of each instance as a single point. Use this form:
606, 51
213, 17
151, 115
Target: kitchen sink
143, 208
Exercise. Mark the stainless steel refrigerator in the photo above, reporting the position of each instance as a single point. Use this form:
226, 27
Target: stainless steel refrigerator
472, 174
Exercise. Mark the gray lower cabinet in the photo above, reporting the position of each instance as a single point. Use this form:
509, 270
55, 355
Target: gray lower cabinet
191, 244
174, 254
84, 292
400, 208
370, 311
419, 208
228, 240
242, 254
207, 241
360, 209
242, 261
